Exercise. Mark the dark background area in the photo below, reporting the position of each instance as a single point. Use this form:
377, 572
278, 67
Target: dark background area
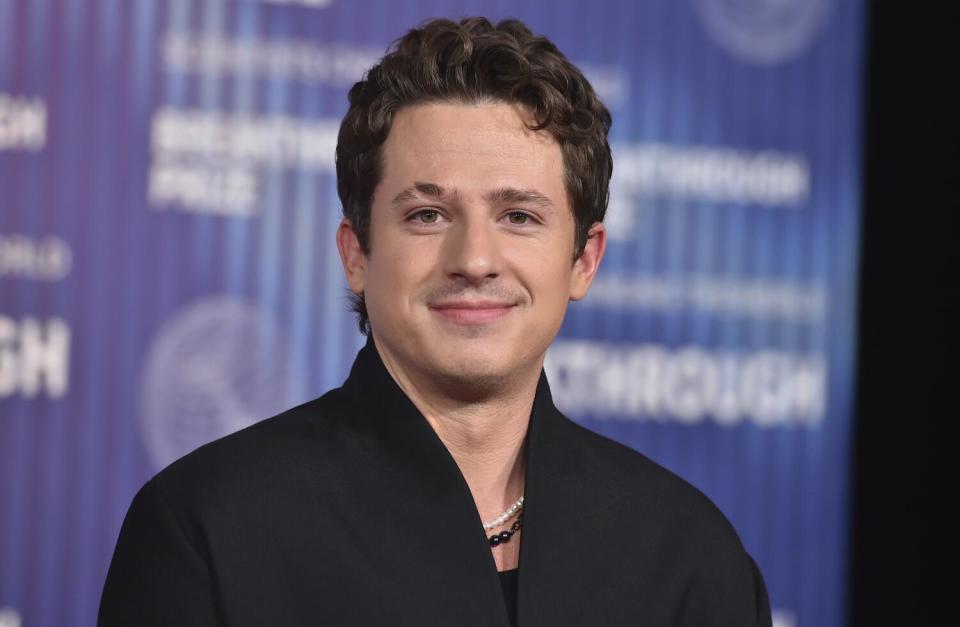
900, 568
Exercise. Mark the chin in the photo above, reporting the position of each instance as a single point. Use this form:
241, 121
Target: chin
496, 357
475, 372
474, 365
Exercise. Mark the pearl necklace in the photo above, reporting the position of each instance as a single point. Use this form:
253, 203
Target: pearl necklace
504, 536
504, 517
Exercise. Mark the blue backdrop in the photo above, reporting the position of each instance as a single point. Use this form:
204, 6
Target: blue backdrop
168, 272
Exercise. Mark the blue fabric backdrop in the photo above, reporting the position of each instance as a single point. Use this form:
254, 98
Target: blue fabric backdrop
168, 273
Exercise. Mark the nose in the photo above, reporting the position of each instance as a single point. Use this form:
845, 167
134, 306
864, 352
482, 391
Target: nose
472, 252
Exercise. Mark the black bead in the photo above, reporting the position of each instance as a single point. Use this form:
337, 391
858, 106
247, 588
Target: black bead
494, 540
505, 536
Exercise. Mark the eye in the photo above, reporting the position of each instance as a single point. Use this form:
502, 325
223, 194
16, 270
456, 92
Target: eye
518, 217
426, 216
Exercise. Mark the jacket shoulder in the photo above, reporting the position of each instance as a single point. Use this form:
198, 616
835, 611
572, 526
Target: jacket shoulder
665, 536
656, 500
257, 459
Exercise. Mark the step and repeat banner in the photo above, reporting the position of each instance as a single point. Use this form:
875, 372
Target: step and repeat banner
168, 272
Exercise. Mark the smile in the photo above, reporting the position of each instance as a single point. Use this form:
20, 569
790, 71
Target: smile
472, 312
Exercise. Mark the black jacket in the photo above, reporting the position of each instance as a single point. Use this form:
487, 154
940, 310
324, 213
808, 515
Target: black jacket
349, 510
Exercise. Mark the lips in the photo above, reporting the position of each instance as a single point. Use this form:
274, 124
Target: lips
472, 312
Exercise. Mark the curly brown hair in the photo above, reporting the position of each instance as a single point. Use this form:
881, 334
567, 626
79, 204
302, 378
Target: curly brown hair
474, 61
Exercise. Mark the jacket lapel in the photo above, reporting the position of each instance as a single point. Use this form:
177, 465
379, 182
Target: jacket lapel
558, 521
560, 503
435, 509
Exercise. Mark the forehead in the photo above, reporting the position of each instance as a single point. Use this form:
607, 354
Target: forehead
472, 147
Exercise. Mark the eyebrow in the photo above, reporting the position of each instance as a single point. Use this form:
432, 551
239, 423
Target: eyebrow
511, 195
418, 189
500, 196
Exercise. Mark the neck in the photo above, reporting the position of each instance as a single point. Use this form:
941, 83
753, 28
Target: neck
484, 430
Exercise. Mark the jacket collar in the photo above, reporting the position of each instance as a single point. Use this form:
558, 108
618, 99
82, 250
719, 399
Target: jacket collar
557, 494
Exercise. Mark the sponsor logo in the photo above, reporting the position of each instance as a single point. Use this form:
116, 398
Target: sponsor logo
216, 366
688, 385
34, 357
784, 618
9, 617
44, 259
302, 60
755, 299
646, 173
23, 123
764, 32
211, 162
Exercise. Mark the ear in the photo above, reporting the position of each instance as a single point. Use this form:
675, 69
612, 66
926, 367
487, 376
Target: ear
587, 264
351, 254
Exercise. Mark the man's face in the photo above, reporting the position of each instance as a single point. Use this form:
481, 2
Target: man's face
471, 248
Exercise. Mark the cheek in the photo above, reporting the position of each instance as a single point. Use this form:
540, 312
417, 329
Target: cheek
549, 284
396, 269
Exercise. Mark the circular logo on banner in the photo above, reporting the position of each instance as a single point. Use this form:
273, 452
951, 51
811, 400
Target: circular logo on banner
216, 366
764, 32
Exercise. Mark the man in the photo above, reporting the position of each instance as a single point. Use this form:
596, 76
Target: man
473, 168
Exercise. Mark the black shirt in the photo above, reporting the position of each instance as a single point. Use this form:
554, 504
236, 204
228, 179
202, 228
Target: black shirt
508, 581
